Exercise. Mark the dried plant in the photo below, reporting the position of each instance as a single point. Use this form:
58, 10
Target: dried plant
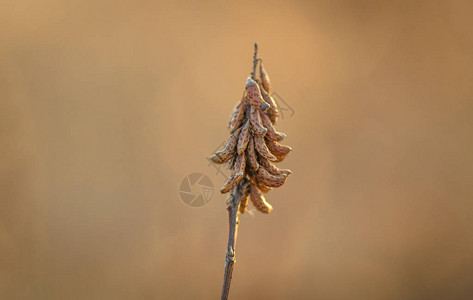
250, 150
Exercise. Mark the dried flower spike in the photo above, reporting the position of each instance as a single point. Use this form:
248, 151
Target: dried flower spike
252, 146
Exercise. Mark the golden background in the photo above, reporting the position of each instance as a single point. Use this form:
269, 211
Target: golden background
105, 106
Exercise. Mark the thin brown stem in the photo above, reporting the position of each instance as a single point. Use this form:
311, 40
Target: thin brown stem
240, 191
255, 62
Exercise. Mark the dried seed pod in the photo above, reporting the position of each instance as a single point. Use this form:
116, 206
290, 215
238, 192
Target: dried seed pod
228, 150
258, 200
240, 163
253, 144
271, 134
263, 188
272, 169
232, 181
251, 155
256, 123
244, 204
269, 179
279, 150
231, 162
253, 94
265, 81
244, 137
237, 116
273, 111
237, 175
262, 149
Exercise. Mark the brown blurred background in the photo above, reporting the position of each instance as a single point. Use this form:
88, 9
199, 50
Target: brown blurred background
105, 106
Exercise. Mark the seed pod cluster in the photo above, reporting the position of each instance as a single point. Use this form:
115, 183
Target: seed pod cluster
254, 145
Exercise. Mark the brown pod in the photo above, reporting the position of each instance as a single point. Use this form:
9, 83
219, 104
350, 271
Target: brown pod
243, 204
273, 111
256, 123
251, 155
265, 81
271, 134
240, 163
262, 149
254, 95
269, 179
231, 162
263, 188
272, 169
258, 200
232, 181
228, 150
244, 138
237, 116
237, 175
279, 150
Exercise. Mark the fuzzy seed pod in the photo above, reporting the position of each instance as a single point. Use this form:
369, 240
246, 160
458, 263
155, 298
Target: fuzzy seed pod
244, 138
251, 155
237, 116
237, 175
244, 204
265, 81
262, 149
240, 163
258, 200
263, 188
231, 162
279, 150
253, 144
231, 182
271, 133
272, 169
256, 123
227, 152
270, 179
254, 95
273, 111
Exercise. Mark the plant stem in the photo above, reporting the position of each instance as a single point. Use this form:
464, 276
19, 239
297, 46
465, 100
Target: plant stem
240, 191
255, 62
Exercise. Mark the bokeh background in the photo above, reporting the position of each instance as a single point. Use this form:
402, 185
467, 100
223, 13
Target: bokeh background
105, 106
